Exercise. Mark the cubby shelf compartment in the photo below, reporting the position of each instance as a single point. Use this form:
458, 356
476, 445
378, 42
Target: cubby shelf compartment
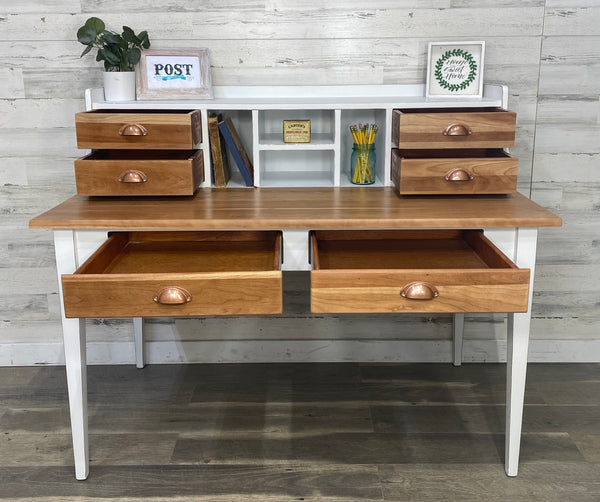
318, 141
313, 168
270, 126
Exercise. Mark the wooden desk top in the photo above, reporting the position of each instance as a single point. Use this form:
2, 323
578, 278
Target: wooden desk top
296, 208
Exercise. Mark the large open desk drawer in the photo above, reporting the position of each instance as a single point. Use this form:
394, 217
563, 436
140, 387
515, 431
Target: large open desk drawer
413, 271
145, 274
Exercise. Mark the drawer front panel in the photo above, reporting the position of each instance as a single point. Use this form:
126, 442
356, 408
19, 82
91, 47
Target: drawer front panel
162, 131
225, 293
413, 271
465, 175
370, 291
108, 173
493, 129
145, 274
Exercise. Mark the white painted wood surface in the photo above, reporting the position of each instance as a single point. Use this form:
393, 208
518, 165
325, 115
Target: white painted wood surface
546, 51
524, 256
74, 338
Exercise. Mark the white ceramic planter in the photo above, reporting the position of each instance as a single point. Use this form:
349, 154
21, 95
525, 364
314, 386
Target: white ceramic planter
119, 85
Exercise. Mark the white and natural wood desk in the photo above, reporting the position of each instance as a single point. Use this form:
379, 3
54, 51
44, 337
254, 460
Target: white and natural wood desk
510, 222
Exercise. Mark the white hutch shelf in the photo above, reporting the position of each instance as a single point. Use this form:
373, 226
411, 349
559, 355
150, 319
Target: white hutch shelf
258, 114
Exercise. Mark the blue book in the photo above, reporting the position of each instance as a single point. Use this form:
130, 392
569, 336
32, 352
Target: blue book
237, 150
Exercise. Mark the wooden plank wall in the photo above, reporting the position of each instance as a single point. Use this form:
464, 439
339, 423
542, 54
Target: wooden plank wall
546, 51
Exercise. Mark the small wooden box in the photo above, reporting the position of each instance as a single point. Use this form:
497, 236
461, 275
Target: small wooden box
296, 131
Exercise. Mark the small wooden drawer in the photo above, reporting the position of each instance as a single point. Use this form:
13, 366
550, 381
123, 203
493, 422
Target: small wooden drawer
169, 130
139, 172
485, 171
146, 274
453, 129
413, 271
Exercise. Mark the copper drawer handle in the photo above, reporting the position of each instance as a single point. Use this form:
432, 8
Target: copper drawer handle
173, 295
457, 130
133, 176
458, 175
133, 130
419, 290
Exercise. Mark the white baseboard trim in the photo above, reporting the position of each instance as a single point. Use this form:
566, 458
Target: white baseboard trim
251, 351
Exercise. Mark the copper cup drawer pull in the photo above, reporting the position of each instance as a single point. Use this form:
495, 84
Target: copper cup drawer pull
133, 130
457, 130
419, 290
173, 295
458, 174
133, 176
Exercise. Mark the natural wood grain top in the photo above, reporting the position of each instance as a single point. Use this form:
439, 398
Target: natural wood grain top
297, 208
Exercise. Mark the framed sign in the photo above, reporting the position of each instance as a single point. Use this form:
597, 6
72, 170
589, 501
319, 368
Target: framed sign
455, 69
174, 74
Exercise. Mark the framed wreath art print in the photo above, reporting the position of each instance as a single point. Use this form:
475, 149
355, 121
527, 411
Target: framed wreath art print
174, 74
455, 69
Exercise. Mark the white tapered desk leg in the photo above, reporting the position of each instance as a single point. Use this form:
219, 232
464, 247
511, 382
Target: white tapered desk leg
75, 356
517, 349
138, 340
458, 330
76, 366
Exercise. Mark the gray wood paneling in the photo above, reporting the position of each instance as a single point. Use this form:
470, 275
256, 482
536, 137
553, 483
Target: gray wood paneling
11, 83
572, 18
544, 51
566, 149
38, 114
37, 7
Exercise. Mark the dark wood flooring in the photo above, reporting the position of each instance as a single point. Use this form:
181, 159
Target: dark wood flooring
315, 432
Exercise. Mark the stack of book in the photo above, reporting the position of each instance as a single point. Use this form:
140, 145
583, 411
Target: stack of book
223, 137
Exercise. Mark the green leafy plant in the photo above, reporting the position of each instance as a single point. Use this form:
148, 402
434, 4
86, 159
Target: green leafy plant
119, 52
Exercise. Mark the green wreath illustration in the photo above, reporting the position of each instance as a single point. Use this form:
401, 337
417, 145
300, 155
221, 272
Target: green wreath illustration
472, 70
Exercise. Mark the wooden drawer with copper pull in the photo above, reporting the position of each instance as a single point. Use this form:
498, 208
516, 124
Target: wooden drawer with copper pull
139, 172
491, 128
413, 271
461, 172
146, 274
168, 130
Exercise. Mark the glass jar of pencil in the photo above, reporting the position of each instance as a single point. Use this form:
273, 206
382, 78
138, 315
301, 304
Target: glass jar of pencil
363, 160
362, 164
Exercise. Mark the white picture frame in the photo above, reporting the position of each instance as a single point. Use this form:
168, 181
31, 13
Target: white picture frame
174, 74
455, 70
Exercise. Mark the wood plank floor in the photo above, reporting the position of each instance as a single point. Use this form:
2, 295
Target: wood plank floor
315, 432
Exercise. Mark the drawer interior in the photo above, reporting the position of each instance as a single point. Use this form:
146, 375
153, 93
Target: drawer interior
157, 112
446, 249
145, 155
466, 153
449, 110
185, 252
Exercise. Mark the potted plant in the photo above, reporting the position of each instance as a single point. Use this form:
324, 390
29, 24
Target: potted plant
120, 54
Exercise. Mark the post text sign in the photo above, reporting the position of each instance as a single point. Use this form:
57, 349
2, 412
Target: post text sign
175, 73
172, 72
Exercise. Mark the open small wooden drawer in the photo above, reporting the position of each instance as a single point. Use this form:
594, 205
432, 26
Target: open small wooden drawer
146, 274
464, 172
413, 271
154, 129
453, 128
139, 172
